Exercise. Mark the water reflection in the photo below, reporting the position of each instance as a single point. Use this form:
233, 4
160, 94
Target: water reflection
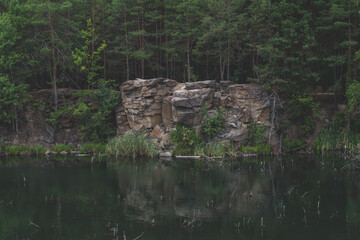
298, 197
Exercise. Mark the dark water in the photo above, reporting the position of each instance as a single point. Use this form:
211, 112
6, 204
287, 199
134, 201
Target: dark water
298, 197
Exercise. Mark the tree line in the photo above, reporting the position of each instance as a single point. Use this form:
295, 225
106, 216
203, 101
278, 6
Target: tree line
288, 45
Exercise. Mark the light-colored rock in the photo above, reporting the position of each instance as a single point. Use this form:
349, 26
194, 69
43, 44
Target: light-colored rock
156, 133
165, 154
166, 112
157, 105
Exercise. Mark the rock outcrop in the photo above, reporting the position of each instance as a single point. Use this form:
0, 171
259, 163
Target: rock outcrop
157, 105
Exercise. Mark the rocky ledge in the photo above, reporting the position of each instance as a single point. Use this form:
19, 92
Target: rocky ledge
158, 105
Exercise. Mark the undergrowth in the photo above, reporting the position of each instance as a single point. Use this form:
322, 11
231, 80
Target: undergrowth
21, 150
261, 149
132, 145
336, 136
62, 148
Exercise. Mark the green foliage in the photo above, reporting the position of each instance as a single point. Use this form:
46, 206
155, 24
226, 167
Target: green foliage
87, 58
132, 145
257, 134
184, 139
215, 149
21, 150
353, 95
212, 123
287, 45
303, 110
60, 113
92, 148
336, 136
62, 148
10, 96
261, 149
96, 114
295, 144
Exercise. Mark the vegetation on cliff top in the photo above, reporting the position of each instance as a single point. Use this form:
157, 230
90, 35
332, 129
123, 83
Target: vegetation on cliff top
290, 47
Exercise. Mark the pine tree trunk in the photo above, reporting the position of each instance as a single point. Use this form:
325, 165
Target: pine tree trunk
207, 66
93, 27
188, 59
188, 50
142, 48
157, 50
167, 53
53, 58
127, 48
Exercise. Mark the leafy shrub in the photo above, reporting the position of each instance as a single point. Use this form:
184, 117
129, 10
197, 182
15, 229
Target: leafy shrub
353, 95
93, 148
212, 124
184, 139
61, 112
303, 110
257, 134
10, 95
97, 117
134, 144
62, 148
95, 113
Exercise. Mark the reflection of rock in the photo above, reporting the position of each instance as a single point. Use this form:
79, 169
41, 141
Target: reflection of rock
164, 103
158, 193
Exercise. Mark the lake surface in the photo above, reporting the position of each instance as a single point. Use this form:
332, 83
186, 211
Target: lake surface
296, 197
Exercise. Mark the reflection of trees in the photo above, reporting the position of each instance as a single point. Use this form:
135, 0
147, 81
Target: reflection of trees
79, 202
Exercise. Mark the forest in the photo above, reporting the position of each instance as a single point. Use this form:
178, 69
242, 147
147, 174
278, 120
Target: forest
291, 47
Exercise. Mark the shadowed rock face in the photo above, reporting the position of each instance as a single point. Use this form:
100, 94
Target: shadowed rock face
163, 103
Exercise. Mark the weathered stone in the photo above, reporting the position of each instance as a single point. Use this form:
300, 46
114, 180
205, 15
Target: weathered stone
164, 102
154, 120
200, 85
166, 111
181, 102
165, 140
139, 128
186, 118
156, 133
165, 154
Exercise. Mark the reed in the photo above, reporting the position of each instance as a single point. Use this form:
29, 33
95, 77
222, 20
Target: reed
93, 148
132, 145
215, 149
333, 138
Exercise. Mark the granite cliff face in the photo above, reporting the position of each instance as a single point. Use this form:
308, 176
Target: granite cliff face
152, 105
157, 105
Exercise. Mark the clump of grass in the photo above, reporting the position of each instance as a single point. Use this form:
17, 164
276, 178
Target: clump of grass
93, 148
62, 148
22, 150
132, 145
333, 138
215, 149
295, 144
260, 149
